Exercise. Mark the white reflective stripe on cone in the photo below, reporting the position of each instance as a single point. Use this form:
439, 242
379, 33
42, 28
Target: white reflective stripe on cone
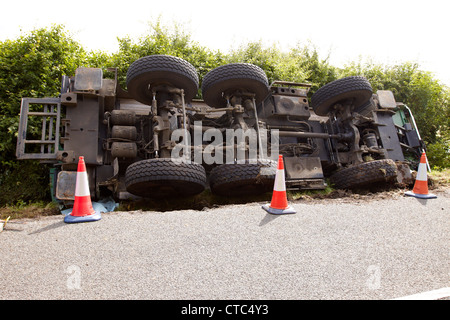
279, 181
82, 185
422, 172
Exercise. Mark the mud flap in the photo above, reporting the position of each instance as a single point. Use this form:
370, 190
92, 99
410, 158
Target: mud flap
304, 173
65, 185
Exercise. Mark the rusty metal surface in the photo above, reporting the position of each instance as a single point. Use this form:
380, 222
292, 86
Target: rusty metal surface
65, 187
89, 79
303, 168
386, 99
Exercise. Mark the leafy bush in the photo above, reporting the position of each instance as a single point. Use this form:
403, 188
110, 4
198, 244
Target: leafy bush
30, 66
33, 65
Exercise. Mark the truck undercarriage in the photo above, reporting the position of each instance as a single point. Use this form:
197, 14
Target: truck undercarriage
155, 140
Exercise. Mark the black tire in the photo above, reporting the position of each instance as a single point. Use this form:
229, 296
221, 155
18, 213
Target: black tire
164, 177
161, 69
234, 76
365, 174
357, 89
243, 179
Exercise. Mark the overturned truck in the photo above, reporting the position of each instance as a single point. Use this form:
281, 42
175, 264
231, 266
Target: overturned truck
154, 139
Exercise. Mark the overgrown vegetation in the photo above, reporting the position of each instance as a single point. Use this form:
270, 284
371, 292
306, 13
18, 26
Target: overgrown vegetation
33, 64
26, 210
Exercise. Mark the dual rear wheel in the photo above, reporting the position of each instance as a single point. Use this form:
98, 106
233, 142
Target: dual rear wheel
166, 177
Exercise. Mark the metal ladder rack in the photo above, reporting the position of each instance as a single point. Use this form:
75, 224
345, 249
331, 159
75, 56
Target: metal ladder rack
49, 142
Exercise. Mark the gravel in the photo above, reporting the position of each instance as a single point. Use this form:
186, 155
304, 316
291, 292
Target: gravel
360, 249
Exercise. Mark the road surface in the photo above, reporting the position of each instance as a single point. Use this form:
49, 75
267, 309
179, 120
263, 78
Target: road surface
377, 249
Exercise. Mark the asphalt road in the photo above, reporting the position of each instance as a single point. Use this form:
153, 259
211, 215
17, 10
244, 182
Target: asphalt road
330, 249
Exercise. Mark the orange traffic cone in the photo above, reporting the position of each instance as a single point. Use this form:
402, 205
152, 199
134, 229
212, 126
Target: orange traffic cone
82, 210
279, 204
420, 189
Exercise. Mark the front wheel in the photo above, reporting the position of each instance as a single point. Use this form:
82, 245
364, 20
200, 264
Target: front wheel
355, 89
365, 174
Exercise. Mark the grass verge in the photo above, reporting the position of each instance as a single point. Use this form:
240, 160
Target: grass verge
33, 210
440, 179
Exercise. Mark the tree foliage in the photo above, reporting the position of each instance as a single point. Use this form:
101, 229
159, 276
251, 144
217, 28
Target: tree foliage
300, 64
169, 41
33, 64
30, 66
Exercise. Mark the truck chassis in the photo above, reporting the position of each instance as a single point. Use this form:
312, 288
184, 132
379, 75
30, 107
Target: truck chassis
156, 140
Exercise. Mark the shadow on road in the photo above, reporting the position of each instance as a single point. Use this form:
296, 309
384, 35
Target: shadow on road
268, 218
49, 227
